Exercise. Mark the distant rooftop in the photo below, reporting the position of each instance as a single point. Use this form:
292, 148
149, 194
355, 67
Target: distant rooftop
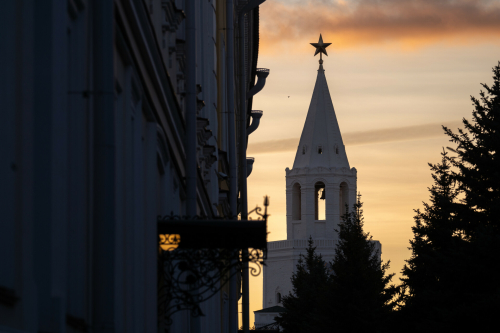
272, 309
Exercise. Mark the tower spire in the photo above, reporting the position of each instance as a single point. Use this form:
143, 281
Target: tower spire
321, 142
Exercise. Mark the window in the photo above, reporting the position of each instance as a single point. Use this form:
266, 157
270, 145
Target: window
320, 150
336, 149
278, 298
303, 150
319, 201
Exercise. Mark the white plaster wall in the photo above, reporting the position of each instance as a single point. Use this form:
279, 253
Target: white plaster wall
278, 274
332, 178
282, 261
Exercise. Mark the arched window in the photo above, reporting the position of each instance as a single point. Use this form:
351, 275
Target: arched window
296, 202
336, 149
303, 150
320, 150
319, 201
278, 298
343, 197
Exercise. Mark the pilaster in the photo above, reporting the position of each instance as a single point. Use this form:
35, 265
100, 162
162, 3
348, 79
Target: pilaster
289, 226
352, 195
332, 209
308, 210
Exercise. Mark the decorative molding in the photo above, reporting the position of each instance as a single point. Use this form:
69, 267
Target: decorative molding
202, 132
207, 151
172, 16
180, 55
321, 170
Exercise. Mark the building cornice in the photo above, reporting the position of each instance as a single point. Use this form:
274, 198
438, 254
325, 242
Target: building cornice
332, 171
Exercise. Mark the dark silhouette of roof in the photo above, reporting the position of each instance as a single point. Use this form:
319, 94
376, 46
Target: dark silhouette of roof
273, 309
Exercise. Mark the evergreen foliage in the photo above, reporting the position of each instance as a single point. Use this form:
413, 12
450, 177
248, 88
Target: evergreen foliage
309, 286
353, 296
450, 280
478, 162
429, 275
360, 297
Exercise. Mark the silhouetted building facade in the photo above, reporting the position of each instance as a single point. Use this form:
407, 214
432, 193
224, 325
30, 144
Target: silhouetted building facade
105, 105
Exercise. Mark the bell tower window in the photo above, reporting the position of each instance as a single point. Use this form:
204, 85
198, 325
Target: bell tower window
319, 201
320, 150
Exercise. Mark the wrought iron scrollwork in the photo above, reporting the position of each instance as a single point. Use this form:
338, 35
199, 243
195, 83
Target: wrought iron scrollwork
257, 210
190, 276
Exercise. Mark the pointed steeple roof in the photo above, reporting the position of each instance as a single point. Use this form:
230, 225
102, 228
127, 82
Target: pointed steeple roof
321, 142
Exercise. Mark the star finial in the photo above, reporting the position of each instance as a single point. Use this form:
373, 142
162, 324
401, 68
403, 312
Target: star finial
320, 46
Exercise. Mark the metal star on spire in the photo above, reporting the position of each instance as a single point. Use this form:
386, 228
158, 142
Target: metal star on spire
320, 46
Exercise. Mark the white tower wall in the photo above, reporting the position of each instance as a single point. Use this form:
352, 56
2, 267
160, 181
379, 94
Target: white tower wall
320, 158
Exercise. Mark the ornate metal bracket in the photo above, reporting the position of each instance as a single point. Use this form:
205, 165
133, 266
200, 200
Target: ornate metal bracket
197, 257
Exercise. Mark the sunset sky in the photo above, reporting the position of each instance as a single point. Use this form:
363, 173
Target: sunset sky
397, 70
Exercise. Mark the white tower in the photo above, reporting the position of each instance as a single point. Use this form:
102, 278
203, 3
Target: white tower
321, 182
318, 187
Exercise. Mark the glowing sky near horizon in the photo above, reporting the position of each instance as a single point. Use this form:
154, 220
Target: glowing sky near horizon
396, 71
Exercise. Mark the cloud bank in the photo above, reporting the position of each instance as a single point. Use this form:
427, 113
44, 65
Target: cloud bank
409, 23
406, 133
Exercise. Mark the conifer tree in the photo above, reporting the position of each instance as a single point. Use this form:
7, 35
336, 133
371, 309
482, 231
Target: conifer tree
478, 161
360, 297
450, 279
309, 287
477, 174
430, 275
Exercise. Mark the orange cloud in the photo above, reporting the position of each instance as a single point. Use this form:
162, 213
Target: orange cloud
409, 23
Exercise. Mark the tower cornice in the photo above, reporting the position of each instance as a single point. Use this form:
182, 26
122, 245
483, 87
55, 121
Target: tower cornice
334, 171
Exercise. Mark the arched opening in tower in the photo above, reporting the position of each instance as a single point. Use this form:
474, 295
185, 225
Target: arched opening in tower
296, 202
343, 198
319, 201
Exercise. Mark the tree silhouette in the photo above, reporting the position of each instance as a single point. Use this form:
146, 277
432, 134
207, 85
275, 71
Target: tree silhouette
353, 296
478, 163
310, 282
437, 253
359, 297
450, 280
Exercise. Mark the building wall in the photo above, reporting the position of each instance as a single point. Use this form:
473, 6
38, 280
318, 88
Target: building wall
307, 178
283, 257
93, 135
